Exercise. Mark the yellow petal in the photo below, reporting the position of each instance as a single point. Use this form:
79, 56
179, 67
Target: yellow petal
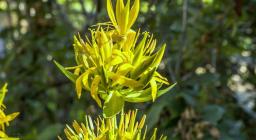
77, 49
119, 9
159, 56
94, 89
149, 42
86, 77
138, 52
147, 76
131, 36
142, 122
111, 12
2, 93
150, 47
117, 60
74, 67
159, 78
104, 43
79, 86
135, 39
124, 69
107, 45
119, 53
3, 135
85, 47
125, 16
124, 81
8, 118
162, 80
134, 13
77, 71
85, 61
153, 88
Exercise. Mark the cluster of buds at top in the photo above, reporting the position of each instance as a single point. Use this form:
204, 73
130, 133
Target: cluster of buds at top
116, 63
5, 119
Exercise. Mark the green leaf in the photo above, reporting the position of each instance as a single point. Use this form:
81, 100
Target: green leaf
146, 95
153, 115
113, 104
68, 74
213, 113
189, 98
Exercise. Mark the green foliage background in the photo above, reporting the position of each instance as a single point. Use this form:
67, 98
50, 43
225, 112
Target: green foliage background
211, 53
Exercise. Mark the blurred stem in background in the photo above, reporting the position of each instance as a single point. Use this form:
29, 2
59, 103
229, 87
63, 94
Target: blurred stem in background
182, 39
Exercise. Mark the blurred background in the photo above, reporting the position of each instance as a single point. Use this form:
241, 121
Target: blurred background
211, 53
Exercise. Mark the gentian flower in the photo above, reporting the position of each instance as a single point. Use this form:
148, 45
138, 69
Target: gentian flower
116, 64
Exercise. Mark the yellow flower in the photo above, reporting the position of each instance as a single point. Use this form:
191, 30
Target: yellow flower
5, 119
117, 70
124, 17
127, 128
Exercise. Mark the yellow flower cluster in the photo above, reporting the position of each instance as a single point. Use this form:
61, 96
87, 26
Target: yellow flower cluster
116, 63
5, 119
127, 128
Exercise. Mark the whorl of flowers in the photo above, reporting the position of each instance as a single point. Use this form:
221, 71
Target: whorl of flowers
127, 128
117, 64
5, 119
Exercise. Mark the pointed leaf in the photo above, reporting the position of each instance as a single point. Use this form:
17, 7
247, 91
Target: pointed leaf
146, 95
68, 74
113, 104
